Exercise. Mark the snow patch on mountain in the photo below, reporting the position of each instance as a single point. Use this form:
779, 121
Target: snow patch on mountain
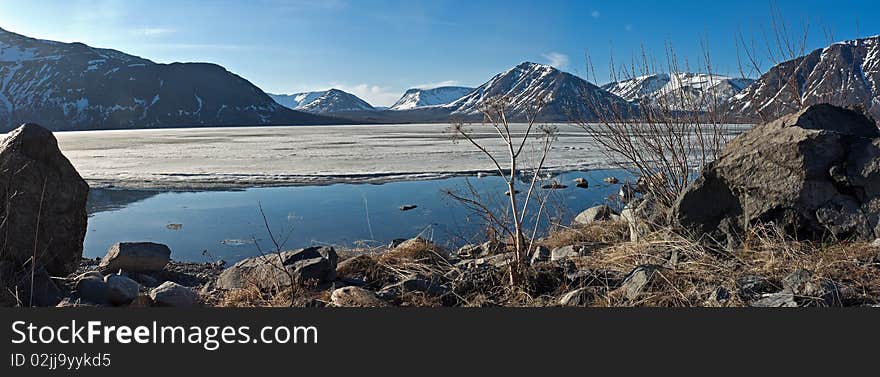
680, 90
560, 96
845, 73
419, 98
327, 101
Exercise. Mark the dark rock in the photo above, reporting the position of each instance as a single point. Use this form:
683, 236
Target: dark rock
775, 300
476, 279
122, 290
39, 290
796, 281
482, 250
637, 281
812, 291
135, 256
751, 287
643, 215
563, 252
541, 254
271, 270
719, 297
145, 280
407, 207
553, 186
813, 173
175, 295
416, 284
141, 301
44, 203
90, 287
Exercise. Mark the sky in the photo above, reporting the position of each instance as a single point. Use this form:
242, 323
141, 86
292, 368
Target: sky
377, 49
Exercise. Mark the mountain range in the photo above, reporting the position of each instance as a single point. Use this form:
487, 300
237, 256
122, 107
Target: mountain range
418, 98
845, 74
679, 91
72, 86
327, 101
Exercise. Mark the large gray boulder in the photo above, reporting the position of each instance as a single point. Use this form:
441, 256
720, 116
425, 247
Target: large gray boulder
814, 173
44, 202
135, 256
597, 213
274, 270
121, 289
175, 295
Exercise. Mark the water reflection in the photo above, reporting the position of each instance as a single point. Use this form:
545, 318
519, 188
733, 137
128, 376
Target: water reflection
206, 225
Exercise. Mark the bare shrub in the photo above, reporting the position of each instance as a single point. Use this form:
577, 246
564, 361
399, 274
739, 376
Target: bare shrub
670, 137
509, 165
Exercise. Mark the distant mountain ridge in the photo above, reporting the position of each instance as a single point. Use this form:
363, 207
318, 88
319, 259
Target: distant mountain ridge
844, 74
680, 90
563, 96
72, 86
418, 98
322, 102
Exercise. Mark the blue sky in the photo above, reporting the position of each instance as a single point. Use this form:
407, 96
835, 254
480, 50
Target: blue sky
377, 49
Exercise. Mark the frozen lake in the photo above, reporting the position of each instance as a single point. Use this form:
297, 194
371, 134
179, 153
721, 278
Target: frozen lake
199, 190
299, 155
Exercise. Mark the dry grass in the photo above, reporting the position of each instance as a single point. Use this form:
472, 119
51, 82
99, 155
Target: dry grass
252, 296
604, 232
686, 273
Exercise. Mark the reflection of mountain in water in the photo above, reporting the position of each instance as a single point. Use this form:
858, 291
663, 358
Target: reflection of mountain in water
102, 199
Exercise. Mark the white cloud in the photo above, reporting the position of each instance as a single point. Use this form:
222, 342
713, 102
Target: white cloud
153, 32
374, 94
595, 14
432, 85
556, 59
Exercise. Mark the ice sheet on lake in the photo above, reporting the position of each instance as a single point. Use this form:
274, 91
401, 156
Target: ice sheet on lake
297, 155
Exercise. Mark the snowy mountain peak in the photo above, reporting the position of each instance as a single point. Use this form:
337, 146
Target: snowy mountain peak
844, 73
679, 90
418, 98
528, 84
326, 101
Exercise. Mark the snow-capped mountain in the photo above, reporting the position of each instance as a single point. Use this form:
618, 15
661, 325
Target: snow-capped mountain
292, 101
72, 86
328, 101
417, 98
844, 74
564, 96
680, 91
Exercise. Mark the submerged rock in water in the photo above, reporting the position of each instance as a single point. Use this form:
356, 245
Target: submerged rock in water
407, 207
45, 201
